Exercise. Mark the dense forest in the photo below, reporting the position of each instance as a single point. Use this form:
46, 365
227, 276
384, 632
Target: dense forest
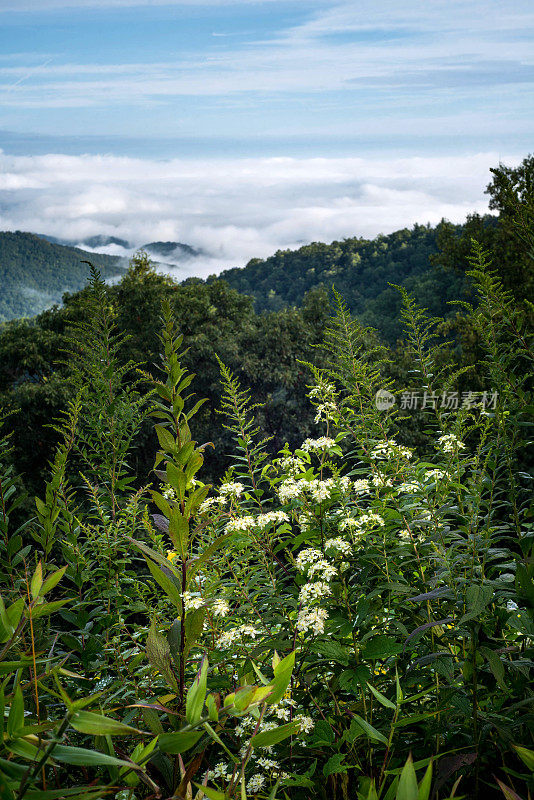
34, 273
290, 590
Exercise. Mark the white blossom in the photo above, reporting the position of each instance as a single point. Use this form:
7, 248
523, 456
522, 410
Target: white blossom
322, 569
312, 619
292, 465
435, 474
408, 488
317, 445
240, 524
325, 411
290, 489
191, 602
305, 723
220, 608
306, 557
380, 481
338, 544
208, 503
371, 519
231, 489
255, 783
311, 592
361, 486
271, 516
449, 443
390, 449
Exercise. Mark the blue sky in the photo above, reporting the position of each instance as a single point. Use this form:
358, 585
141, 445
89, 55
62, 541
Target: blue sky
228, 81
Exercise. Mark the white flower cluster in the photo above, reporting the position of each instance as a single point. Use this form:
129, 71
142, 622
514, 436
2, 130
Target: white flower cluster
169, 493
408, 488
450, 443
371, 519
209, 502
305, 723
321, 390
231, 489
408, 537
255, 783
220, 608
240, 524
312, 619
361, 486
312, 592
380, 481
435, 475
339, 545
390, 449
220, 770
192, 601
320, 490
322, 569
291, 465
325, 412
291, 489
307, 557
234, 634
317, 445
271, 516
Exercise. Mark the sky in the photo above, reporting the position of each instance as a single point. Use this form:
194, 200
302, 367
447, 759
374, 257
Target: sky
242, 127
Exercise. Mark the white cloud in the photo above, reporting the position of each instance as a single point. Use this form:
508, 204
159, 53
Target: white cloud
236, 209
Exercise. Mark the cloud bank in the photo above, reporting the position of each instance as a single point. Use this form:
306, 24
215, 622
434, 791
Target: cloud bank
236, 209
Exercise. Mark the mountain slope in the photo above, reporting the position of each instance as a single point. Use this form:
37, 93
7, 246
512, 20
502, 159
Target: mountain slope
34, 272
361, 271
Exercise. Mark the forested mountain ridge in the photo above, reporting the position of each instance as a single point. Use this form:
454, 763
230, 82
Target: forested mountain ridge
361, 270
34, 272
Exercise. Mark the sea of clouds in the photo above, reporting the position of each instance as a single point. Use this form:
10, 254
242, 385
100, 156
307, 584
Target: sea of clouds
235, 209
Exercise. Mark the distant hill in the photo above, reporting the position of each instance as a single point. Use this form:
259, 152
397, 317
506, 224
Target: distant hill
177, 249
35, 272
361, 271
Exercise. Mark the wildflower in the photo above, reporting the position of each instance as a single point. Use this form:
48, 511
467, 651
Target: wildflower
323, 570
449, 443
271, 516
317, 445
338, 544
325, 411
220, 608
220, 770
208, 503
312, 619
320, 490
240, 524
361, 486
306, 521
380, 481
321, 390
386, 450
171, 555
371, 519
405, 536
228, 638
191, 602
290, 490
169, 493
292, 465
306, 557
348, 522
255, 783
435, 474
231, 489
268, 763
311, 592
408, 488
306, 724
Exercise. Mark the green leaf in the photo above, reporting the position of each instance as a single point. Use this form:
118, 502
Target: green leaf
166, 583
79, 756
408, 789
15, 720
52, 580
10, 618
37, 581
159, 654
381, 698
282, 675
268, 738
196, 695
426, 784
477, 598
371, 732
526, 756
98, 725
165, 438
380, 646
332, 651
175, 743
45, 609
212, 794
335, 765
194, 625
